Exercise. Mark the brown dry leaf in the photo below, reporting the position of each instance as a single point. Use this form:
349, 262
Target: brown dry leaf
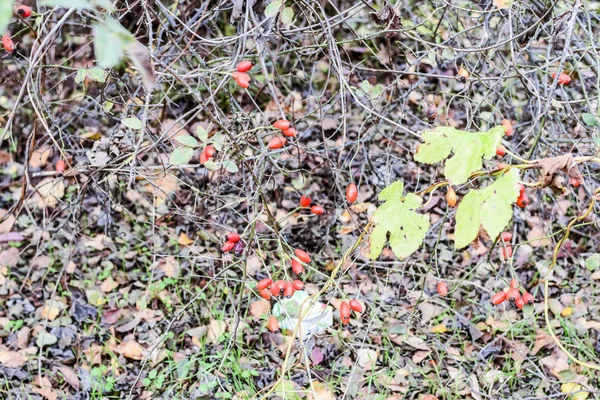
320, 392
552, 165
7, 225
39, 157
45, 388
366, 359
497, 324
557, 362
184, 239
170, 266
167, 185
11, 359
500, 4
518, 350
131, 349
69, 376
51, 311
430, 311
420, 356
108, 285
427, 397
5, 157
259, 308
216, 329
48, 192
536, 235
542, 340
23, 337
388, 19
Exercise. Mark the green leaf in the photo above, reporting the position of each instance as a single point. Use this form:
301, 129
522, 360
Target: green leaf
96, 74
186, 140
181, 155
468, 149
589, 119
593, 262
212, 166
217, 141
202, 133
110, 42
407, 228
230, 166
77, 4
490, 207
45, 338
133, 123
376, 91
273, 8
365, 86
287, 16
81, 74
6, 13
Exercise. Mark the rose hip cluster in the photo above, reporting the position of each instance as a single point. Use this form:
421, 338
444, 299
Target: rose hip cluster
7, 42
240, 76
233, 242
305, 203
513, 295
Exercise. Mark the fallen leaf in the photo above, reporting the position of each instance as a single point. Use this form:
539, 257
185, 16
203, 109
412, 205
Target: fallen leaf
12, 359
170, 266
216, 329
366, 359
420, 356
48, 192
7, 225
69, 376
574, 390
320, 392
441, 328
108, 285
130, 349
500, 4
316, 356
45, 339
259, 308
39, 157
45, 388
556, 362
542, 340
184, 239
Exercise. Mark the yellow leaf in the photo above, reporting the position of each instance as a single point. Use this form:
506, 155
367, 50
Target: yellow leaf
567, 312
441, 328
184, 239
575, 390
500, 3
49, 312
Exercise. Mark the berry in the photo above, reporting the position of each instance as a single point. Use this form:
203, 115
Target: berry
523, 201
442, 289
298, 284
61, 165
232, 237
24, 11
8, 43
506, 236
275, 289
273, 324
244, 66
462, 75
210, 151
508, 129
203, 158
304, 201
356, 306
345, 312
521, 189
451, 196
289, 290
498, 298
290, 132
302, 256
500, 150
242, 79
519, 303
297, 268
563, 79
513, 283
227, 247
265, 294
574, 182
351, 193
317, 210
513, 294
281, 285
528, 298
282, 124
432, 113
264, 283
507, 252
276, 143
